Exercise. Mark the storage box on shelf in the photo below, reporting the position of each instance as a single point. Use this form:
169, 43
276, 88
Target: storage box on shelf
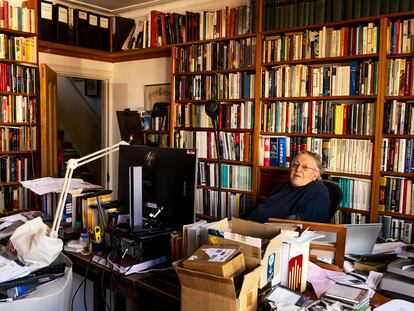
319, 88
18, 104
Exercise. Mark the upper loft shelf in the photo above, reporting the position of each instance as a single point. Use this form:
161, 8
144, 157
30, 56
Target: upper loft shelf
74, 51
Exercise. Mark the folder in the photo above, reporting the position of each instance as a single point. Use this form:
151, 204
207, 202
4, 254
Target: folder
71, 26
61, 23
81, 28
93, 31
103, 30
46, 21
122, 27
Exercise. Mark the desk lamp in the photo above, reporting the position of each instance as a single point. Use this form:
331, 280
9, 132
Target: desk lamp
212, 109
36, 245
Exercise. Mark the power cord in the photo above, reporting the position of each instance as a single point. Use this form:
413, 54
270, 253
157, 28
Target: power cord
80, 285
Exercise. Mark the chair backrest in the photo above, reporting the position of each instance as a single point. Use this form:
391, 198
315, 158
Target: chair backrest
335, 194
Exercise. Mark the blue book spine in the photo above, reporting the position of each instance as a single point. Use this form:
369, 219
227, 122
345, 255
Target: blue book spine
409, 154
282, 152
353, 79
274, 152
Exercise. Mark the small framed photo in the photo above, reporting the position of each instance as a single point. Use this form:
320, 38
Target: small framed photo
91, 87
155, 93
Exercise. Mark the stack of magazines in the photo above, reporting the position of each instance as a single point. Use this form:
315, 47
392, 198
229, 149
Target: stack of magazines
350, 298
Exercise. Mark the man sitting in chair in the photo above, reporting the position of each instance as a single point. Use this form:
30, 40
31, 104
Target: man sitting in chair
303, 197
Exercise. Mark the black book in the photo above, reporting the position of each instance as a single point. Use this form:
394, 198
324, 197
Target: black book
61, 23
93, 31
365, 8
122, 26
348, 9
46, 21
81, 28
103, 29
375, 8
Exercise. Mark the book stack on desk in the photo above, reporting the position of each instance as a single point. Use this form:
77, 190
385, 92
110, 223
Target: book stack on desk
350, 298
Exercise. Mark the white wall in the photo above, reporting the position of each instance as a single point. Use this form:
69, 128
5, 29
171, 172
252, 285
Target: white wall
128, 83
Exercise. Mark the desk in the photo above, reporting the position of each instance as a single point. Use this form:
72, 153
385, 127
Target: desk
151, 291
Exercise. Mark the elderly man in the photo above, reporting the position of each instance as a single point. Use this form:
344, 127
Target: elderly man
303, 197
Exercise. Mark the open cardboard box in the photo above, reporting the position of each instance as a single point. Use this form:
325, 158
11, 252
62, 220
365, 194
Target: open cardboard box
260, 243
205, 292
224, 261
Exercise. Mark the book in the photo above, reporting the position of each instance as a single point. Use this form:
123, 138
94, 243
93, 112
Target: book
93, 31
81, 28
103, 29
349, 294
371, 265
121, 28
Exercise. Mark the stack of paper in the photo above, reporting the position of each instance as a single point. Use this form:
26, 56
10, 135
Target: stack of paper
10, 270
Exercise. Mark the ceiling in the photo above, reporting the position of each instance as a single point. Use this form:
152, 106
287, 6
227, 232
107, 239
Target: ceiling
116, 6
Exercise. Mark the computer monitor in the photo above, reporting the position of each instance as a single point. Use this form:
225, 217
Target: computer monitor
168, 181
361, 238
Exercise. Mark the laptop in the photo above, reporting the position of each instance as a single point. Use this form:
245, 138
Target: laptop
361, 238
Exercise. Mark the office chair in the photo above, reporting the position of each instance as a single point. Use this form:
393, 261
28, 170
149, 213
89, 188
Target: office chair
335, 194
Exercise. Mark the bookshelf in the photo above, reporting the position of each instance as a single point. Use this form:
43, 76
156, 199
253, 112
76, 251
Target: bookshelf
221, 67
395, 208
18, 105
319, 93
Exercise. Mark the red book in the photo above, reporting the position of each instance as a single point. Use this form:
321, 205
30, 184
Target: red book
397, 36
153, 21
345, 43
404, 197
344, 119
232, 22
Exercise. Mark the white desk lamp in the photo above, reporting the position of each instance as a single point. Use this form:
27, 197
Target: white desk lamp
38, 246
71, 166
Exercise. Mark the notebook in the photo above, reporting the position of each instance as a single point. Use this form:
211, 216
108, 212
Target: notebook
361, 238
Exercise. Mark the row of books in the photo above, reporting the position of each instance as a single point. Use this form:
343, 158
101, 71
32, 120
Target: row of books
398, 117
397, 155
318, 117
154, 123
399, 36
14, 198
206, 202
161, 29
356, 193
232, 116
357, 78
17, 108
323, 43
21, 138
351, 156
397, 229
80, 210
14, 168
219, 86
67, 25
399, 77
233, 146
236, 177
297, 13
156, 139
233, 54
347, 297
396, 195
18, 48
15, 17
344, 217
18, 79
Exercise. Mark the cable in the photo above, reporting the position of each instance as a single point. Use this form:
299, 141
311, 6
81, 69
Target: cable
83, 281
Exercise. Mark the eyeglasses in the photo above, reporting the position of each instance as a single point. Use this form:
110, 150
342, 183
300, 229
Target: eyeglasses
305, 168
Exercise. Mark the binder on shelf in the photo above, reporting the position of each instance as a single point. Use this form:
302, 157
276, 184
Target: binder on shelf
46, 21
71, 26
81, 28
61, 23
121, 28
93, 31
103, 26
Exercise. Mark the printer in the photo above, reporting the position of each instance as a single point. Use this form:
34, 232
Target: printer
399, 279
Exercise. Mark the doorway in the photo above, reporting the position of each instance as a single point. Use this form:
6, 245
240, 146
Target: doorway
80, 108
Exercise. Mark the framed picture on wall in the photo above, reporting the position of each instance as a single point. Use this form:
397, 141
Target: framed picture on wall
91, 87
155, 93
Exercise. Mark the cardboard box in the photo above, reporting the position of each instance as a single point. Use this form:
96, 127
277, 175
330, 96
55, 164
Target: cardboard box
224, 261
205, 292
260, 243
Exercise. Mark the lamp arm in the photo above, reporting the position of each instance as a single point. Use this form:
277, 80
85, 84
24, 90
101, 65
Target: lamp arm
72, 164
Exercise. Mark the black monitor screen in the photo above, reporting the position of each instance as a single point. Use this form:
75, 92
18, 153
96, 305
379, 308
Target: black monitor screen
168, 180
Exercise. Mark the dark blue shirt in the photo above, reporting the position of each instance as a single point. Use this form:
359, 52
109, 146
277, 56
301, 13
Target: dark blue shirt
309, 203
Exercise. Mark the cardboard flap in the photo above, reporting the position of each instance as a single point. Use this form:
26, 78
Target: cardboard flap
251, 280
210, 283
222, 225
254, 229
